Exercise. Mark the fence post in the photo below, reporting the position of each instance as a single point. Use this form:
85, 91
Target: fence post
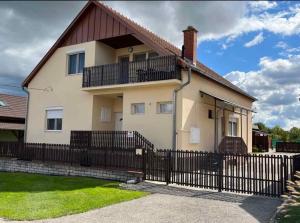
167, 167
220, 172
144, 163
43, 148
285, 171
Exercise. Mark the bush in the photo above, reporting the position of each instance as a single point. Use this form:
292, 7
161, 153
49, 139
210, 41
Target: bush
256, 149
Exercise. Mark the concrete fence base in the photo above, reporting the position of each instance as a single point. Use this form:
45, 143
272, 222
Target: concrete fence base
14, 165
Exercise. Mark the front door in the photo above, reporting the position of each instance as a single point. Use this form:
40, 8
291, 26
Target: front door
118, 121
124, 69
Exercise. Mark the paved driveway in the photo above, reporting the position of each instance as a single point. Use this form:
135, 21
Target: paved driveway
173, 204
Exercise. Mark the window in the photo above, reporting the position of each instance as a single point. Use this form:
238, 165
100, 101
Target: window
165, 107
152, 54
138, 108
105, 115
139, 57
232, 127
76, 63
210, 114
54, 119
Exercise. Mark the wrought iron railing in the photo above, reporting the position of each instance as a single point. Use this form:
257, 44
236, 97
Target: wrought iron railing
154, 69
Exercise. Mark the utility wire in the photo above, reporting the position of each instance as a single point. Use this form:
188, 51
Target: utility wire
15, 86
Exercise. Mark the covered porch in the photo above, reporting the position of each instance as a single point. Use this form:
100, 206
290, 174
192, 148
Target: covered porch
107, 112
231, 124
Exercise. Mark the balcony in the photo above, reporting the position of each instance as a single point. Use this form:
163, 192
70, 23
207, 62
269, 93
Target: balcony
154, 69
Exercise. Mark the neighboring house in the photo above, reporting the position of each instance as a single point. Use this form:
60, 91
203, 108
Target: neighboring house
12, 117
106, 72
261, 139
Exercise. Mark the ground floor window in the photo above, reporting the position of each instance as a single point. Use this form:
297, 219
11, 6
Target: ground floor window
232, 127
165, 107
54, 118
138, 108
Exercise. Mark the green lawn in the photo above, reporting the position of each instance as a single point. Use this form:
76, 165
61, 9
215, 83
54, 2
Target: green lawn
293, 213
292, 216
32, 196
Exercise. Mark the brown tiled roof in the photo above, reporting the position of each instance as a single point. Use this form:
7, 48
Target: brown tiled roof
15, 106
11, 126
145, 36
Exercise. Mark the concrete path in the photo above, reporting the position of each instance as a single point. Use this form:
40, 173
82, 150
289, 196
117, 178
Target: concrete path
174, 205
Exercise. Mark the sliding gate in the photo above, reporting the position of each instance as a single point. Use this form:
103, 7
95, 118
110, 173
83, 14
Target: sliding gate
250, 173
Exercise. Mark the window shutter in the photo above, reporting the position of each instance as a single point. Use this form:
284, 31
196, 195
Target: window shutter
54, 114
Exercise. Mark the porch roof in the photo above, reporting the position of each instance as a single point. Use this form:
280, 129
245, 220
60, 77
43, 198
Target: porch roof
227, 102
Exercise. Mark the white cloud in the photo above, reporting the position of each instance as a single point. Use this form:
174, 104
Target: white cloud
262, 5
255, 41
277, 86
282, 45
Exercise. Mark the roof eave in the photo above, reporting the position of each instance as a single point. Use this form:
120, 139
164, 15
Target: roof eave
194, 68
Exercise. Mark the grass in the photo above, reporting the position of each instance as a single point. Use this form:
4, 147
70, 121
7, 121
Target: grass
32, 196
292, 215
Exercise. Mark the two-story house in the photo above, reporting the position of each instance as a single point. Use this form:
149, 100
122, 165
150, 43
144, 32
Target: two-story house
106, 72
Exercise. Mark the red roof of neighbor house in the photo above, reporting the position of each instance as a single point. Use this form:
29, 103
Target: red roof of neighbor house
14, 106
11, 126
141, 33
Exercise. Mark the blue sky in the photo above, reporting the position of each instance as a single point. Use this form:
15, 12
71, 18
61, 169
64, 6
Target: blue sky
255, 45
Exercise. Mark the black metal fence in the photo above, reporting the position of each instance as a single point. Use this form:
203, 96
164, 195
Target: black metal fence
111, 158
289, 147
110, 139
153, 69
243, 173
250, 173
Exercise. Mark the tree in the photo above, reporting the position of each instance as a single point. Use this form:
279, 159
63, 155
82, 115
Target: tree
278, 133
263, 127
294, 134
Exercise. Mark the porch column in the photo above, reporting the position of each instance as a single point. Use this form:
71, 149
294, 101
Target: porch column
216, 140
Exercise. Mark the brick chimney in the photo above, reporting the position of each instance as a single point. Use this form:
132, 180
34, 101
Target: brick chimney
190, 43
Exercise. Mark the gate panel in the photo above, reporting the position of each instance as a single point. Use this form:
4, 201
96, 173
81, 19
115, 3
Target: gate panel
242, 173
195, 169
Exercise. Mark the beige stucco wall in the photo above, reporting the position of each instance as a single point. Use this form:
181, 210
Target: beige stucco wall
193, 112
154, 126
63, 91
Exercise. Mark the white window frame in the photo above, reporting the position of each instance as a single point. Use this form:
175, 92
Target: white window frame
231, 123
46, 119
77, 61
159, 111
105, 114
133, 110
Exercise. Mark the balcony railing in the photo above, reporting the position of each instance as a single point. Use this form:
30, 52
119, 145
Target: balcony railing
154, 69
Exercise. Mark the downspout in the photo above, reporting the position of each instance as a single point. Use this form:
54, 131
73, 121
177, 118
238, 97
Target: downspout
25, 89
175, 105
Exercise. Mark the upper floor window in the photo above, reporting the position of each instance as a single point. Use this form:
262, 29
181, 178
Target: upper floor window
54, 118
76, 63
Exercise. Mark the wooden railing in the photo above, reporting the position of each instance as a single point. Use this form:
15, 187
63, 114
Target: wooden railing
154, 69
233, 145
289, 147
110, 139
